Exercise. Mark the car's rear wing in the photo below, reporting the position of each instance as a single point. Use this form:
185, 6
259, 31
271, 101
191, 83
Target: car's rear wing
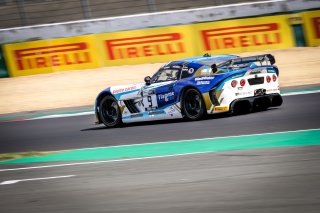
267, 58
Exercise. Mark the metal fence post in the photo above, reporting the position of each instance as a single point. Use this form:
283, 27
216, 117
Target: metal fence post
86, 8
22, 13
152, 6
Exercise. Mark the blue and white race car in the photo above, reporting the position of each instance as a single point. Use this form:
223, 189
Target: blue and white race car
193, 87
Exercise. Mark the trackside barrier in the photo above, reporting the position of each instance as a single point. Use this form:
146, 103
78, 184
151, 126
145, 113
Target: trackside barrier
158, 44
147, 46
45, 56
311, 22
244, 35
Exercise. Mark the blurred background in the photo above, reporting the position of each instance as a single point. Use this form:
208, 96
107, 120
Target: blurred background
14, 13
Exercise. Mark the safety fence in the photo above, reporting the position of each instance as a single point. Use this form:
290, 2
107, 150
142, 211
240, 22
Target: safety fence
15, 13
163, 44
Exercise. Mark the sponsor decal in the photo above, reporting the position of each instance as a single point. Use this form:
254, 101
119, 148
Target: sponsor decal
272, 90
190, 71
125, 89
171, 110
257, 71
144, 46
241, 36
204, 78
184, 68
270, 70
203, 82
52, 56
221, 108
244, 93
166, 97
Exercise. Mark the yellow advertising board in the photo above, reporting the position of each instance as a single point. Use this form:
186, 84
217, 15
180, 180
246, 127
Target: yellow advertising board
29, 58
156, 44
147, 46
244, 35
312, 27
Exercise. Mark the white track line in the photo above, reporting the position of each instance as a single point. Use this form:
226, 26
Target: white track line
31, 179
141, 158
64, 115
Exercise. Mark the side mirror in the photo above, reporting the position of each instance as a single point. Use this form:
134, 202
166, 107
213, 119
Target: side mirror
214, 68
147, 80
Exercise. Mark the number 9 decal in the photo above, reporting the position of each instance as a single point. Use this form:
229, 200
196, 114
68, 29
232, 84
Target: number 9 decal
150, 101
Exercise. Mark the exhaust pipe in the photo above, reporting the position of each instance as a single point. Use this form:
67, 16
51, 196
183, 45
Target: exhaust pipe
276, 101
241, 107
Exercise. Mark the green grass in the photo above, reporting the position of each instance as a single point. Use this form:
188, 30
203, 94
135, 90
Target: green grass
16, 155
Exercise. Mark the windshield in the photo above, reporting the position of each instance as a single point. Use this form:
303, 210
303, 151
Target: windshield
166, 75
216, 61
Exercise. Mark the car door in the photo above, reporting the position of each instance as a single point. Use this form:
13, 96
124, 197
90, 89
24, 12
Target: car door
158, 95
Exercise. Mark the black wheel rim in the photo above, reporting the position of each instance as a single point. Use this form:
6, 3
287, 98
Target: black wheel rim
110, 111
193, 103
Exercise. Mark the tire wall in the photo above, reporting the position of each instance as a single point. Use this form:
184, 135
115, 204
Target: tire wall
162, 44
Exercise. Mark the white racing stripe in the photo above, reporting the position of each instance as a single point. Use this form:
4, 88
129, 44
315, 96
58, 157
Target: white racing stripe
32, 179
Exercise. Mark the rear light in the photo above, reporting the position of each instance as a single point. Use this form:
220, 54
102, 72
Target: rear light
268, 78
274, 77
234, 83
242, 82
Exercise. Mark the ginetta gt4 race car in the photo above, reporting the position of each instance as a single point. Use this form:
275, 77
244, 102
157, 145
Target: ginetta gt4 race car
192, 87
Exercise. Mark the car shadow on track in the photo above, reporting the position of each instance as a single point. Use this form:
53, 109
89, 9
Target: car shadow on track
173, 121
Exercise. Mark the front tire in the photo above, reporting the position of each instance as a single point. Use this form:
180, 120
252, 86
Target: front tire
192, 105
109, 111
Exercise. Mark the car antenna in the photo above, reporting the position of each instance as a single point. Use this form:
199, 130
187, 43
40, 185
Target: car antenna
207, 55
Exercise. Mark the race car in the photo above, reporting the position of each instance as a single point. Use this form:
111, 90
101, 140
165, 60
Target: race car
193, 87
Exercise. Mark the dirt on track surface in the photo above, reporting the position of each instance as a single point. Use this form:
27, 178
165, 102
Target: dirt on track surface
298, 66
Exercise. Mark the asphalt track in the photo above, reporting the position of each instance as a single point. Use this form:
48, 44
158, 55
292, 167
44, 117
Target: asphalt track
282, 180
261, 180
297, 112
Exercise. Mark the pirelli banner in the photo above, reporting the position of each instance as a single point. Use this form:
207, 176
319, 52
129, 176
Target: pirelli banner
311, 23
244, 35
46, 56
170, 43
147, 46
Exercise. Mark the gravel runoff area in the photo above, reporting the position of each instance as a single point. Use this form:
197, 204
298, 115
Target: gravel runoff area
298, 66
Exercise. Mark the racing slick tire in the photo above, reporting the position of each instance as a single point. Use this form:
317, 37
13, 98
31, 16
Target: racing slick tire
109, 112
192, 105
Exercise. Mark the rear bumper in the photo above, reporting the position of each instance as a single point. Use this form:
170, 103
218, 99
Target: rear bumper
256, 102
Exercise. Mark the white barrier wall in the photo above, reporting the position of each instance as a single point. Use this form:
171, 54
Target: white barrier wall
93, 26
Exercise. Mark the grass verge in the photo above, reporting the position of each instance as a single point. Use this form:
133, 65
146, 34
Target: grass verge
16, 155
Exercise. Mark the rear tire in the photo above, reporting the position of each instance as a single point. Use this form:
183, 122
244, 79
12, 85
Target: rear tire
192, 105
109, 111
